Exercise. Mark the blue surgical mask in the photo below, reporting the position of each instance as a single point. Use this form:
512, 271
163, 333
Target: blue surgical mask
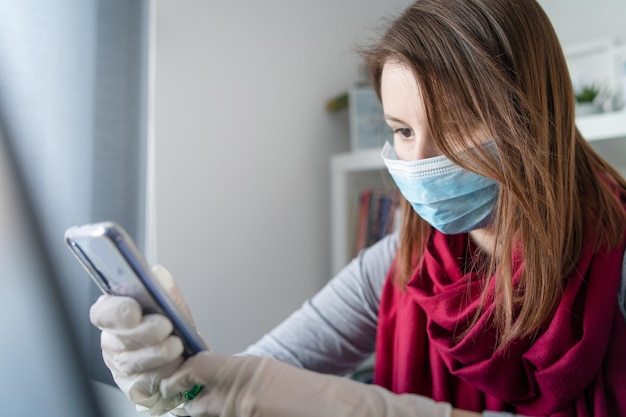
450, 198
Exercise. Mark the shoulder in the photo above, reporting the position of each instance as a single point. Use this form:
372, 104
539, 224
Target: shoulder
374, 262
378, 257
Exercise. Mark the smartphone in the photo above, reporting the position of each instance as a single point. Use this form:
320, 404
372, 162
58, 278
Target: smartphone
117, 266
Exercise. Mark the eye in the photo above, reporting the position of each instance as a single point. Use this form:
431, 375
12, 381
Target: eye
405, 132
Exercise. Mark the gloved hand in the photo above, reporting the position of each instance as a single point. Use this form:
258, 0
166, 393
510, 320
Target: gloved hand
141, 350
239, 386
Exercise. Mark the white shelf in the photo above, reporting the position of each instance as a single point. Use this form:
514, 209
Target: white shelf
350, 171
604, 126
364, 160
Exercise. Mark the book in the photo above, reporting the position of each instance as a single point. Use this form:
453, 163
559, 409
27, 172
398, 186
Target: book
375, 219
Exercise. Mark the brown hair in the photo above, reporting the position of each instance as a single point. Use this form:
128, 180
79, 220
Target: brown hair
499, 64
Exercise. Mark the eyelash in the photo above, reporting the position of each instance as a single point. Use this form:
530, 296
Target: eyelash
399, 132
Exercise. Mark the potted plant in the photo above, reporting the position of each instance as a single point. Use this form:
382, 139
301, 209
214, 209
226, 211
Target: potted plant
586, 99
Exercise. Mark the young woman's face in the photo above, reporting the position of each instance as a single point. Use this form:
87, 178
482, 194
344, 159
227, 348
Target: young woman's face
405, 114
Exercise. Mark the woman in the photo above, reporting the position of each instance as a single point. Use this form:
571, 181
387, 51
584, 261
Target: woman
500, 292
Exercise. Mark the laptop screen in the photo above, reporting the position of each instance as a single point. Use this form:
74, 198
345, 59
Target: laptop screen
41, 369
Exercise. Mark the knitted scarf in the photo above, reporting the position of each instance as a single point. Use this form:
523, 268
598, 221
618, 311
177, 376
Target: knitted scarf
576, 366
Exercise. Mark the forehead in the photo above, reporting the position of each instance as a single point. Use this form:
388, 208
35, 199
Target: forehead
400, 94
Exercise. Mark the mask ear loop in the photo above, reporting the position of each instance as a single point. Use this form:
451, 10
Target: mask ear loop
388, 152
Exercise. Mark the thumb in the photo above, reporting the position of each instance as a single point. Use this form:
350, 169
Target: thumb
166, 280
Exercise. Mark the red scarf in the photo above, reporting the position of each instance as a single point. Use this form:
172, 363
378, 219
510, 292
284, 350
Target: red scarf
575, 367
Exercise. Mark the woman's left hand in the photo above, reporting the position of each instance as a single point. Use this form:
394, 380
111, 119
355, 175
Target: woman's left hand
261, 387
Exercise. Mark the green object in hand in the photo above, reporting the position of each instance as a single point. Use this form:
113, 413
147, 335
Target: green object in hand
193, 393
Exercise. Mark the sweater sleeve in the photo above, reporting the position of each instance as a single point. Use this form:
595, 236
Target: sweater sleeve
335, 330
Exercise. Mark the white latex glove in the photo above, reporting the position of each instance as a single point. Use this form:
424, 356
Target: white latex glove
238, 386
141, 350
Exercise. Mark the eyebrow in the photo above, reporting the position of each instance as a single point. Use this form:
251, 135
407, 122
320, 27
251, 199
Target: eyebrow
395, 119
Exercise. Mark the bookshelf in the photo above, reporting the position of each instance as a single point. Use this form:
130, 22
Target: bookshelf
351, 172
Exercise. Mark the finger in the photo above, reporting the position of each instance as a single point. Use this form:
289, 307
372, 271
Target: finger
115, 312
152, 330
144, 359
156, 405
199, 369
164, 277
140, 387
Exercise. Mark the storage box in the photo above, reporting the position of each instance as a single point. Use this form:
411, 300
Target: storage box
367, 124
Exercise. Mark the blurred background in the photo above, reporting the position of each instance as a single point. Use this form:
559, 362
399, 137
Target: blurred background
201, 127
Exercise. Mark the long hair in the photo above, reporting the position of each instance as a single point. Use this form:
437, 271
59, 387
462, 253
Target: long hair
498, 64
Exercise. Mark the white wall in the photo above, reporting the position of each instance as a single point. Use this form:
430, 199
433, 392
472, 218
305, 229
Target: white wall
581, 20
242, 143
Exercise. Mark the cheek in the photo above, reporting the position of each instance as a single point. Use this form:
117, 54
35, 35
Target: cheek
404, 150
414, 150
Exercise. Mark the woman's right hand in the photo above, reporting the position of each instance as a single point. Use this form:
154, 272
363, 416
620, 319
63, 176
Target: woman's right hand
138, 349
